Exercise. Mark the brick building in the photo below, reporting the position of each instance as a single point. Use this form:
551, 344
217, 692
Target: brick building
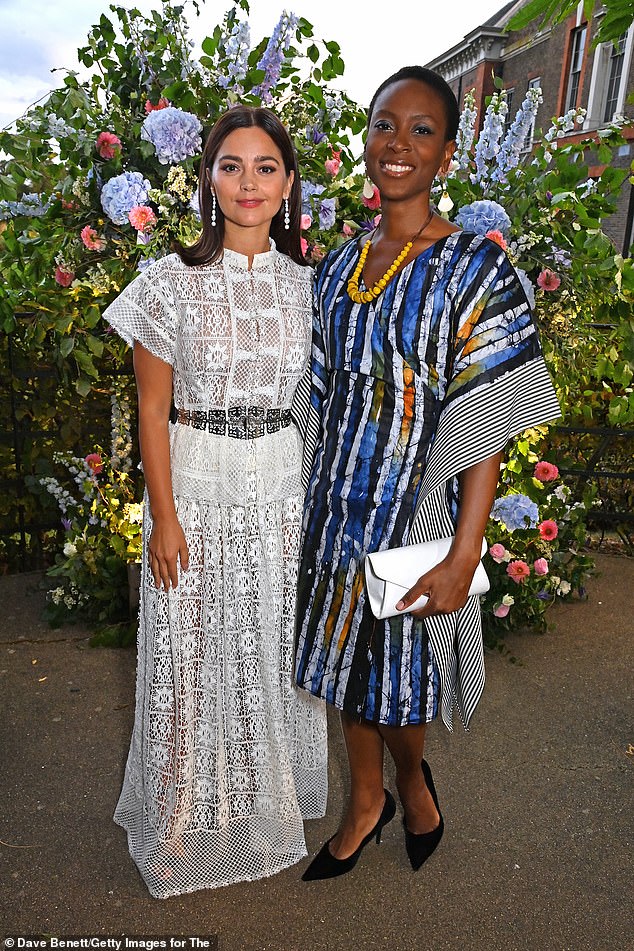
570, 71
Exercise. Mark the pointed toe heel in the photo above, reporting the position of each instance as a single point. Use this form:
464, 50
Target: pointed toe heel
325, 865
420, 847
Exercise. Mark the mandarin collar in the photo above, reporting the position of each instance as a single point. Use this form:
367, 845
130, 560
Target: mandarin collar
241, 261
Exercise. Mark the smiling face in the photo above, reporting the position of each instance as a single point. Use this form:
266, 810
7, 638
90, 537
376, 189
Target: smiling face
406, 144
249, 179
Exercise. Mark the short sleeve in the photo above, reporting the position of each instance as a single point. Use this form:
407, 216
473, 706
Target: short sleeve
146, 310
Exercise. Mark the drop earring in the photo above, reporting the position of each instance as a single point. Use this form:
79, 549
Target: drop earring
368, 189
445, 204
213, 209
287, 216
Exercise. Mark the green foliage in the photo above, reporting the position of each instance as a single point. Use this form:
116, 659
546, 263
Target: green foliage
617, 18
63, 259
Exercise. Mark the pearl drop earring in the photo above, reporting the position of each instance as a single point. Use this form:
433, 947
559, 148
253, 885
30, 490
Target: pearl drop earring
213, 209
287, 216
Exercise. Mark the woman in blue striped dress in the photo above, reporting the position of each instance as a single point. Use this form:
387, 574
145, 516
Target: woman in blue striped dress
425, 361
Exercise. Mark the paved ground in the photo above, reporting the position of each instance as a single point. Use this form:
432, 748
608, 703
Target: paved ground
537, 798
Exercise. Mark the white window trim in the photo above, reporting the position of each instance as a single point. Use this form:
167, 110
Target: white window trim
599, 81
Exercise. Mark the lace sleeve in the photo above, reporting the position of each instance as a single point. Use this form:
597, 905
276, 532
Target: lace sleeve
146, 311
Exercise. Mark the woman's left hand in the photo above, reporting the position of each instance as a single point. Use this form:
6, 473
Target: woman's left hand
446, 586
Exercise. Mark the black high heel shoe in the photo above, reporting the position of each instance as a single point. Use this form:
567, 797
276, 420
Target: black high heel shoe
325, 865
420, 847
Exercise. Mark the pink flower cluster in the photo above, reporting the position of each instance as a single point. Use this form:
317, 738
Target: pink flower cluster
498, 237
108, 145
63, 276
332, 165
518, 571
91, 239
548, 280
142, 218
94, 462
374, 202
163, 103
548, 529
546, 471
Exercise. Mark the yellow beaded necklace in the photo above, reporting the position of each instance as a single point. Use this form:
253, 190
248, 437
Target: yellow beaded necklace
364, 297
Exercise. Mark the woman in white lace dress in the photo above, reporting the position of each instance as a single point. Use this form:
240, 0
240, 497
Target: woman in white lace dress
226, 758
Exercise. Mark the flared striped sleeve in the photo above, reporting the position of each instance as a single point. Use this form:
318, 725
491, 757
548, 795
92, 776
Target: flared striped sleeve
306, 408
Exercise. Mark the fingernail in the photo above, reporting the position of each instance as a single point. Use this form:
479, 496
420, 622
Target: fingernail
400, 605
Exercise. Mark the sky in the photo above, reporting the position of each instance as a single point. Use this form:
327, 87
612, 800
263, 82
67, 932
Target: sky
38, 36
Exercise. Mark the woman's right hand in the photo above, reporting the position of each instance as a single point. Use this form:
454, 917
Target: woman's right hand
167, 546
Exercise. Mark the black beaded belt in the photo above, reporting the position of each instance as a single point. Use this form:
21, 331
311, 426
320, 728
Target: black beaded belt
240, 422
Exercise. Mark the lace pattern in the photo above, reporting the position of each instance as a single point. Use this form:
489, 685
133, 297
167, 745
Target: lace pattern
227, 758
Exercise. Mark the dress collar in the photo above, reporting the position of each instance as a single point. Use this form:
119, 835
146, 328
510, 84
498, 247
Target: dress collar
241, 261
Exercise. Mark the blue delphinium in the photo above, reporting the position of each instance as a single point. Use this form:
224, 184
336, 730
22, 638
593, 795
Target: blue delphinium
514, 142
516, 511
175, 134
274, 55
483, 216
237, 49
121, 193
489, 138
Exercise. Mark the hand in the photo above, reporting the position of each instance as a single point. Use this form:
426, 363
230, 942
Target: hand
446, 586
167, 546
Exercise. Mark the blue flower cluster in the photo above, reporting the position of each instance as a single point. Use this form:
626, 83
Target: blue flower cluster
482, 216
326, 207
516, 511
175, 134
237, 47
122, 193
30, 205
274, 55
518, 137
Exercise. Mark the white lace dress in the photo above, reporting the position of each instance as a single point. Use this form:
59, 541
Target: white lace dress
227, 757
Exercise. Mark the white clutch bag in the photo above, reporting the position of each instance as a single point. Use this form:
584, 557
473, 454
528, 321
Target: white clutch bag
391, 573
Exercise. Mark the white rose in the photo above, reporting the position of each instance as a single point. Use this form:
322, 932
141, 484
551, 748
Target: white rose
70, 549
564, 587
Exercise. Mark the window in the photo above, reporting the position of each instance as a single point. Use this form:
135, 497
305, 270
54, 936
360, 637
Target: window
528, 141
615, 71
577, 50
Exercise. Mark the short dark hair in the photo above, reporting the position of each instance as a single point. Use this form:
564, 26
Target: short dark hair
436, 82
208, 248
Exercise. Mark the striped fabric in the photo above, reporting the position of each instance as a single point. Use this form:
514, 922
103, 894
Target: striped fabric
406, 392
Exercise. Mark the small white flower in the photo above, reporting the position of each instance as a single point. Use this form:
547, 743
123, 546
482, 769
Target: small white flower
70, 549
509, 600
563, 587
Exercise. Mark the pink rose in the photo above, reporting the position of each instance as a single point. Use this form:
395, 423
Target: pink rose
142, 218
332, 165
91, 239
540, 566
64, 277
546, 471
548, 529
94, 462
374, 202
497, 552
108, 145
305, 222
548, 280
502, 610
163, 103
304, 246
498, 237
347, 230
518, 571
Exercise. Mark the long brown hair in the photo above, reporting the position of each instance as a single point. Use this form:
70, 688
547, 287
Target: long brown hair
209, 246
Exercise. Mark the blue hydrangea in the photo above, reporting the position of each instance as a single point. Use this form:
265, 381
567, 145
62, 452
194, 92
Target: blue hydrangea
482, 216
122, 193
30, 205
309, 189
176, 135
515, 511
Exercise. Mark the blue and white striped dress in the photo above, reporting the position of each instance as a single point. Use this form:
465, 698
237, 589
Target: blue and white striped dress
406, 392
